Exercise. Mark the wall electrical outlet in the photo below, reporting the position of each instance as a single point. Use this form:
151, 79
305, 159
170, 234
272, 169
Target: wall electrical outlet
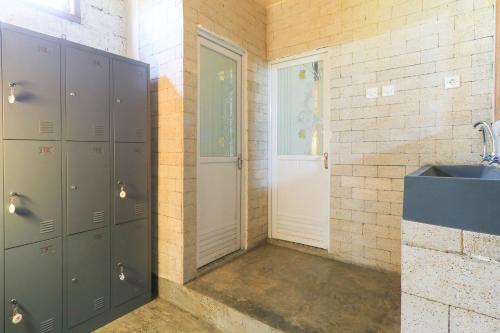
388, 91
372, 92
452, 82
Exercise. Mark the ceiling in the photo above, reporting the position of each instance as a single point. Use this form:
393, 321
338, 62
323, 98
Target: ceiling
267, 3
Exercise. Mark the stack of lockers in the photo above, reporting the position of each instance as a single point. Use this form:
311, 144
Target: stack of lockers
76, 169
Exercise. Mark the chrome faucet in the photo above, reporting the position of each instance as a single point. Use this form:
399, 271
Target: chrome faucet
491, 158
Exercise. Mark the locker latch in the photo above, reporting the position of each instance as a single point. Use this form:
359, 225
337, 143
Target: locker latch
123, 189
121, 274
12, 202
16, 317
12, 95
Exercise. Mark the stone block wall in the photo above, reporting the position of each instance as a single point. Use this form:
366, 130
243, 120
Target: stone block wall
161, 45
103, 26
450, 280
412, 45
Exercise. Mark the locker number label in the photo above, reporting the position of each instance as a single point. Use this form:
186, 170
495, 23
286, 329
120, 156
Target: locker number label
46, 150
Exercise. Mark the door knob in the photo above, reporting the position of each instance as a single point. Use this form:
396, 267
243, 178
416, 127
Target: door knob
325, 160
118, 100
123, 189
16, 316
12, 95
12, 205
121, 273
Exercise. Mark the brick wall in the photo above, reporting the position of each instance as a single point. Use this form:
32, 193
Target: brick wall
414, 45
161, 45
104, 23
243, 22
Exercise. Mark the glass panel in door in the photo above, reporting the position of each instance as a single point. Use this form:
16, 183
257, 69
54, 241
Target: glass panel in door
218, 103
300, 109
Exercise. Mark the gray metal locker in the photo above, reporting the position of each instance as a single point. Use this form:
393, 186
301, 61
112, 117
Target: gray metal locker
32, 191
87, 185
129, 253
87, 94
130, 183
31, 87
87, 275
129, 105
33, 279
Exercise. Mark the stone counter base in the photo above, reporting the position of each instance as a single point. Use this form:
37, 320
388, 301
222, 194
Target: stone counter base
450, 280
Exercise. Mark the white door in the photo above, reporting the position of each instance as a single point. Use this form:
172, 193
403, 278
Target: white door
219, 152
300, 177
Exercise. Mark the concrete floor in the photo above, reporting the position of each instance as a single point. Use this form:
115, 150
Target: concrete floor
299, 292
158, 316
285, 289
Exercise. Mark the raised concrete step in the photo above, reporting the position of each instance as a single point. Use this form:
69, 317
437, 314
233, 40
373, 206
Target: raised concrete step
214, 312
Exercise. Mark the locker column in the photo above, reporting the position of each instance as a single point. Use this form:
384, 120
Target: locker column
130, 275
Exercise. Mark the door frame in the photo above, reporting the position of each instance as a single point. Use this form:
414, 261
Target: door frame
318, 54
217, 43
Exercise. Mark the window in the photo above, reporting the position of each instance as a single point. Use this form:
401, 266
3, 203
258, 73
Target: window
68, 9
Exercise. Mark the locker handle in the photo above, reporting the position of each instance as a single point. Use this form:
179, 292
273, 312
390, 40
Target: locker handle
121, 274
72, 94
12, 205
74, 280
17, 316
123, 189
12, 95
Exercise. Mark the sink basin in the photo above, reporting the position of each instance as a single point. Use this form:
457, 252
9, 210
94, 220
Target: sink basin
457, 196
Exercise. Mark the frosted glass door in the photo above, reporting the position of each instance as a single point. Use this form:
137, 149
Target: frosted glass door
300, 175
219, 148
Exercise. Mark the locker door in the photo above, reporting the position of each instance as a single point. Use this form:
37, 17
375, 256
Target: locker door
87, 275
130, 263
32, 66
87, 185
87, 93
129, 102
32, 191
33, 279
130, 183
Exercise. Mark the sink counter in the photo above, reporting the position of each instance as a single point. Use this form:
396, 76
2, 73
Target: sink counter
463, 197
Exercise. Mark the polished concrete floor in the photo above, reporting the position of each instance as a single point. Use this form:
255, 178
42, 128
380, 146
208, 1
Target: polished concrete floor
157, 316
299, 292
286, 289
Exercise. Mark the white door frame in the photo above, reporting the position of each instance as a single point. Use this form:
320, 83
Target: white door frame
315, 55
233, 51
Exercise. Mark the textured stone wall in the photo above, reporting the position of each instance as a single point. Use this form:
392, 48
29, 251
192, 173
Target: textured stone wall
161, 45
413, 45
242, 22
449, 280
104, 23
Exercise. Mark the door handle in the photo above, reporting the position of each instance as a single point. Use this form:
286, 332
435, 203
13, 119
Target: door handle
325, 160
16, 316
240, 162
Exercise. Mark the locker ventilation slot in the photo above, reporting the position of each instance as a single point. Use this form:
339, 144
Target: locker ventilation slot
98, 217
139, 209
98, 303
98, 130
47, 326
47, 226
46, 127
